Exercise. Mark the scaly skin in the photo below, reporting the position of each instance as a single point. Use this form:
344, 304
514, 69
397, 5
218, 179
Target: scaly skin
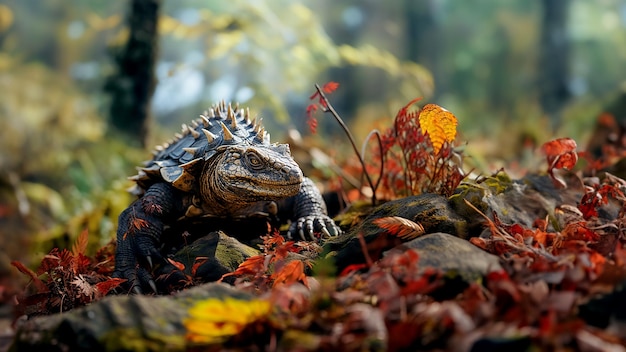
235, 177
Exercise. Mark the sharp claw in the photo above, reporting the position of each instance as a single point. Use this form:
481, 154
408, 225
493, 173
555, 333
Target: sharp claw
152, 286
301, 232
149, 260
137, 290
325, 231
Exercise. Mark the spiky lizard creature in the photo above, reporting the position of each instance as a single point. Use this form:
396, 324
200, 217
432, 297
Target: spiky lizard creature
221, 165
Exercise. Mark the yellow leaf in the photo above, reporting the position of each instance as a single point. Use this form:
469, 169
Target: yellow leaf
439, 123
214, 320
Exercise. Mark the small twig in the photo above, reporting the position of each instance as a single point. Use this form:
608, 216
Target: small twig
376, 133
368, 259
327, 107
504, 236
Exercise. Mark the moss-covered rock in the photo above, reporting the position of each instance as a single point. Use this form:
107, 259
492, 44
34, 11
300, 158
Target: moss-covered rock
120, 323
432, 211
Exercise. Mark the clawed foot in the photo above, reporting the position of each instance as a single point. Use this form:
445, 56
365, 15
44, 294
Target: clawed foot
134, 261
307, 227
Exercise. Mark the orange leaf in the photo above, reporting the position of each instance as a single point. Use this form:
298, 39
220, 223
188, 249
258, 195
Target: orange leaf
561, 153
251, 266
138, 223
290, 273
198, 263
400, 227
180, 266
80, 246
439, 123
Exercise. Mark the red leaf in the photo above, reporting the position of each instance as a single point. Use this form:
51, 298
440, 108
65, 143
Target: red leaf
560, 154
39, 285
402, 113
105, 286
352, 268
578, 231
314, 95
330, 87
310, 109
80, 264
422, 285
312, 122
152, 208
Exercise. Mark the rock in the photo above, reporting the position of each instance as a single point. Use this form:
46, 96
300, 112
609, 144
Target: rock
515, 202
453, 256
205, 260
137, 323
432, 211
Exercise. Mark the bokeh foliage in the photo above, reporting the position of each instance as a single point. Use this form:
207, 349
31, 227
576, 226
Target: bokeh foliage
60, 164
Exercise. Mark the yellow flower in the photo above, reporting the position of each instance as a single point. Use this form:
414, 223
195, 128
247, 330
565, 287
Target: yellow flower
214, 320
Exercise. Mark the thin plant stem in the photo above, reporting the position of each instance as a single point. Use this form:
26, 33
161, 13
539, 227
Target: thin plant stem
329, 108
376, 133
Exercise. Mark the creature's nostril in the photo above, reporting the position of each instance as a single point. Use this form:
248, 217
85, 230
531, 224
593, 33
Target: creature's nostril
292, 173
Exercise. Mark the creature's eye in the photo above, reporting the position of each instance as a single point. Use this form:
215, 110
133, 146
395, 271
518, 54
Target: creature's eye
254, 161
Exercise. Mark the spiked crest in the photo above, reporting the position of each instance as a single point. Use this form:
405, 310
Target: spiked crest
179, 161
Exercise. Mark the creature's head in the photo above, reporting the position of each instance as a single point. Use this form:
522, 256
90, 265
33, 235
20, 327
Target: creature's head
242, 174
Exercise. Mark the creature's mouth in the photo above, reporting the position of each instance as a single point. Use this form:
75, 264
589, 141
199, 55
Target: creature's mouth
267, 190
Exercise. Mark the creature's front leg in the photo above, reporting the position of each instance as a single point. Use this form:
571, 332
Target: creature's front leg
308, 214
138, 235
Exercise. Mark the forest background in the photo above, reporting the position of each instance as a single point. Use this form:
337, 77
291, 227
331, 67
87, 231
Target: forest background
516, 73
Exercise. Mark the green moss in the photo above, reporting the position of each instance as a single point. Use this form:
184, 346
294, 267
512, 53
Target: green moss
475, 194
133, 339
231, 252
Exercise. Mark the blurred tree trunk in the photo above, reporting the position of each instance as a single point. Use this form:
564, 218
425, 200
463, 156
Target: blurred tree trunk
554, 60
424, 38
132, 86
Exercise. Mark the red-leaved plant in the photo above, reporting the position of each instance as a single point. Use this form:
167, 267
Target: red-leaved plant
67, 279
416, 155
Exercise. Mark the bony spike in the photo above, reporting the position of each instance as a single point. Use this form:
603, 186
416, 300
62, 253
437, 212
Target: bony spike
260, 136
228, 136
205, 121
209, 136
191, 151
258, 125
